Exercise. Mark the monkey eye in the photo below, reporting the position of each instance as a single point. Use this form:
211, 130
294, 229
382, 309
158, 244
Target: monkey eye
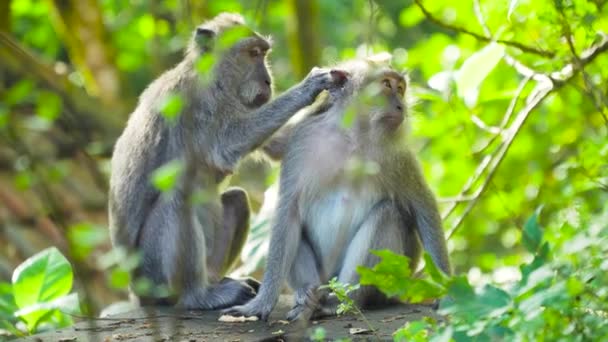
386, 83
255, 52
400, 89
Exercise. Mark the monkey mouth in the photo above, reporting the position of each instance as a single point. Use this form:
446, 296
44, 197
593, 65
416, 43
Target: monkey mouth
392, 121
259, 100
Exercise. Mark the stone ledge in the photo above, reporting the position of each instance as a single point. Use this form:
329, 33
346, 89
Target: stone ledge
169, 324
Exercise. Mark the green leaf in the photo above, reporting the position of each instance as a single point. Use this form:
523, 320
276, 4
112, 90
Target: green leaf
146, 26
40, 279
535, 278
171, 107
539, 260
67, 303
532, 235
349, 117
48, 106
230, 36
8, 326
477, 67
542, 297
4, 115
19, 92
468, 305
436, 274
119, 278
204, 64
318, 334
165, 177
84, 238
390, 275
7, 301
412, 331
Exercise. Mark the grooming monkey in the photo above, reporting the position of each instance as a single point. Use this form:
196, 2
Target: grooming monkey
228, 117
331, 214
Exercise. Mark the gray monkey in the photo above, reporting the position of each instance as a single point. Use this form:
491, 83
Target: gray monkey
345, 191
228, 117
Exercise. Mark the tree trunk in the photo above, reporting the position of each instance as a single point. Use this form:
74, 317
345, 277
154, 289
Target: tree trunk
80, 24
304, 35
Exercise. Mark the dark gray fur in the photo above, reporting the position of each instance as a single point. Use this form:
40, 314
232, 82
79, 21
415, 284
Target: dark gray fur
227, 119
328, 219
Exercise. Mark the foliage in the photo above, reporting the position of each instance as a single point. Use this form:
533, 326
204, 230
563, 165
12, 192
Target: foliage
492, 148
341, 291
561, 294
39, 297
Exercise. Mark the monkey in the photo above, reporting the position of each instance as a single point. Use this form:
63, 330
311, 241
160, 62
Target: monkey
229, 114
329, 218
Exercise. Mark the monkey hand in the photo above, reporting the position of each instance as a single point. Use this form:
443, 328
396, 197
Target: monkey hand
320, 79
257, 307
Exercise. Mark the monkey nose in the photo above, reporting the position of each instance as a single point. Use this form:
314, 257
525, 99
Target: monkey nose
267, 81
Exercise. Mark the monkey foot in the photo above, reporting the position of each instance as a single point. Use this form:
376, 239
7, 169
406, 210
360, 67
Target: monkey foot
300, 313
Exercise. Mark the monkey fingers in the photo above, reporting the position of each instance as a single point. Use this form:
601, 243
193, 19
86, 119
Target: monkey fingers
254, 308
339, 76
307, 301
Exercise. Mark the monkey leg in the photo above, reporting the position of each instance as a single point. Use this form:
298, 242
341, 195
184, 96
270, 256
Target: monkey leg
226, 244
159, 245
384, 228
176, 259
305, 279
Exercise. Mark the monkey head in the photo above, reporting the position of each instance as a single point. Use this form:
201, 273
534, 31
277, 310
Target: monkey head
239, 53
375, 92
390, 110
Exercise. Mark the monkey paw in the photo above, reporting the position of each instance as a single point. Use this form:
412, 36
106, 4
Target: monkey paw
300, 313
320, 79
253, 308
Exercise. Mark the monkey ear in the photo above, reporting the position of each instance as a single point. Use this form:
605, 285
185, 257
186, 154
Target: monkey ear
204, 38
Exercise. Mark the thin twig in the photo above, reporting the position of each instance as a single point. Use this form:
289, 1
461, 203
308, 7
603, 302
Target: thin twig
520, 46
598, 99
484, 126
542, 90
113, 319
507, 117
497, 159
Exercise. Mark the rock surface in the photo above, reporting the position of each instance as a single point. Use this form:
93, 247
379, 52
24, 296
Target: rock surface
168, 324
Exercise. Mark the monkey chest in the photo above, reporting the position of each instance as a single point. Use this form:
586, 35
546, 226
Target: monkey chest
333, 220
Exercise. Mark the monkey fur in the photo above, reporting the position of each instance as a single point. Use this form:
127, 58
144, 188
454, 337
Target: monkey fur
228, 117
331, 212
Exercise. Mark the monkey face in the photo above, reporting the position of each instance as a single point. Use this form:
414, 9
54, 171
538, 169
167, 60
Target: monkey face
241, 68
254, 81
393, 87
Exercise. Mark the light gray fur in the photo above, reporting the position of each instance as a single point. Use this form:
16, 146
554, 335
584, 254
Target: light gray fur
227, 119
328, 220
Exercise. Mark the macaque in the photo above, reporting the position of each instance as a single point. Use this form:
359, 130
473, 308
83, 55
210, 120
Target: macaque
226, 115
346, 189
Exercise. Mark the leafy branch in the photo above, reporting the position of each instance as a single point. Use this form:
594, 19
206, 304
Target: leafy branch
481, 37
546, 84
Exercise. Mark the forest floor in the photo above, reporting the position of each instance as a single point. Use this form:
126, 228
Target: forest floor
168, 324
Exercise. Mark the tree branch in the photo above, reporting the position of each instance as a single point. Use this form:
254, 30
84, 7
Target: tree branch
481, 37
91, 115
492, 162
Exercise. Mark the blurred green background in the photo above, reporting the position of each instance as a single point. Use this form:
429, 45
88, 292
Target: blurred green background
71, 71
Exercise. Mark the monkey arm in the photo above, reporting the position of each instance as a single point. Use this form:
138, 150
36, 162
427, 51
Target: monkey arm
428, 223
284, 241
138, 152
246, 133
419, 199
276, 146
